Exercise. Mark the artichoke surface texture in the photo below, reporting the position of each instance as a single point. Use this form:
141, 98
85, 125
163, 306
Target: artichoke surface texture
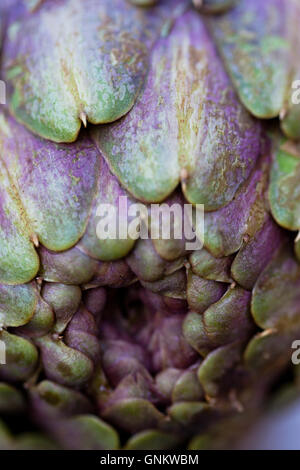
144, 342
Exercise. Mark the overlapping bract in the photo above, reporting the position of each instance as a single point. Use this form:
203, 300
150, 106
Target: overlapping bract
189, 338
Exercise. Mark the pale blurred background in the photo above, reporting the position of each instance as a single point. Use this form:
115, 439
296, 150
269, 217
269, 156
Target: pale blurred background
276, 431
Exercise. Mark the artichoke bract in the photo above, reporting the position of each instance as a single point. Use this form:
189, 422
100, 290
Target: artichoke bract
146, 342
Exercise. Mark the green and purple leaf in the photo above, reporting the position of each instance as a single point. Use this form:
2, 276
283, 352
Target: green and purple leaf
187, 125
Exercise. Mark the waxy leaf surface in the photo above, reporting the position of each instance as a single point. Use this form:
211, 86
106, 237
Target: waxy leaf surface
73, 61
187, 125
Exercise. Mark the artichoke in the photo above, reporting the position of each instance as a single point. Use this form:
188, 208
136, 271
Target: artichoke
146, 342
